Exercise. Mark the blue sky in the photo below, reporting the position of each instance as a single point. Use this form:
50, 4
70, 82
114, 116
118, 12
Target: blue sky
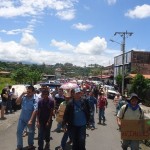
71, 31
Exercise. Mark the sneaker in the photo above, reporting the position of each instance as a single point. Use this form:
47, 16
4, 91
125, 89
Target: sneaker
31, 147
69, 142
3, 118
57, 130
47, 146
92, 128
99, 123
60, 148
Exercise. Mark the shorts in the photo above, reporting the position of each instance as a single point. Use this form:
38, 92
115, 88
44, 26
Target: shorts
4, 104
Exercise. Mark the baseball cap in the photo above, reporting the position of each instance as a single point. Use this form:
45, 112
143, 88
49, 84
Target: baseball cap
77, 90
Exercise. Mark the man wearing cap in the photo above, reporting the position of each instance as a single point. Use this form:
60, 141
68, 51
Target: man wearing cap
59, 98
61, 110
130, 111
76, 116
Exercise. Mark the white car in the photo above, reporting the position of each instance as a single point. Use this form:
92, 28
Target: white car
111, 92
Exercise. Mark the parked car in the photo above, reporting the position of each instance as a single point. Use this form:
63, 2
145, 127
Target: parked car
111, 92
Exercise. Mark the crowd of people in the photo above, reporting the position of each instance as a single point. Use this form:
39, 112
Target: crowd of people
74, 110
8, 104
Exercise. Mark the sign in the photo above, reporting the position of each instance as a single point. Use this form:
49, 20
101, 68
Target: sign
135, 129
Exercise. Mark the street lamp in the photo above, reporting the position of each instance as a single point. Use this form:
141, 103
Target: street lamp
123, 52
123, 35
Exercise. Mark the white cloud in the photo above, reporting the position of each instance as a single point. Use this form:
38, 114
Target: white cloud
96, 49
110, 2
28, 40
62, 45
13, 8
139, 12
66, 14
12, 32
28, 29
95, 46
83, 27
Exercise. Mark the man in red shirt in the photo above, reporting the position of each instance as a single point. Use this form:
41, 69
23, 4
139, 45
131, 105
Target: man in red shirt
102, 103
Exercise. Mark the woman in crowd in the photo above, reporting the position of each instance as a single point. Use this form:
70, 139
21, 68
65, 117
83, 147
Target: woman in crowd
4, 96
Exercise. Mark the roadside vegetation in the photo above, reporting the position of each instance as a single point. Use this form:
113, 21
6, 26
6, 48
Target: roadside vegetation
4, 81
139, 85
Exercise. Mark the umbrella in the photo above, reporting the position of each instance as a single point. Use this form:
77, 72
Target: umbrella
73, 81
69, 85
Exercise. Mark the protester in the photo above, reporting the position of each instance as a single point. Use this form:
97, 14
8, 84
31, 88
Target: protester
116, 100
102, 104
4, 96
44, 119
95, 92
122, 102
93, 106
130, 111
59, 98
61, 110
14, 96
76, 116
27, 117
9, 101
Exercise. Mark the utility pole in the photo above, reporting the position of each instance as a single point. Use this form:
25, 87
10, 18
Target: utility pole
123, 35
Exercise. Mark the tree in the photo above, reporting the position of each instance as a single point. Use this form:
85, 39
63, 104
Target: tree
26, 75
20, 75
139, 85
119, 81
34, 77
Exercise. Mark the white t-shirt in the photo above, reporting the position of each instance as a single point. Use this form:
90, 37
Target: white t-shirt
130, 114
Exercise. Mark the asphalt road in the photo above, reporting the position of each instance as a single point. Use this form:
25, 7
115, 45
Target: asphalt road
102, 138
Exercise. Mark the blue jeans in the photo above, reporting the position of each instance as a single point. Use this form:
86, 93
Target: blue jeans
43, 134
78, 137
92, 120
59, 126
65, 138
101, 114
134, 144
20, 128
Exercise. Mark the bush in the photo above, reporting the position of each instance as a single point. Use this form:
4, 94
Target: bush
5, 82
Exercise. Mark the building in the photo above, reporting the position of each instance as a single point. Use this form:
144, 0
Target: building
134, 62
106, 76
58, 72
4, 73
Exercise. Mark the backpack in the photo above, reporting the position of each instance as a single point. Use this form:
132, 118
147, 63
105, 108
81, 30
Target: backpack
140, 110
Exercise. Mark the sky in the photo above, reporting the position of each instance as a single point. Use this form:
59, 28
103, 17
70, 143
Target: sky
80, 32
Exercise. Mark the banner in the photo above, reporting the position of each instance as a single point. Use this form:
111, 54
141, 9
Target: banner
135, 129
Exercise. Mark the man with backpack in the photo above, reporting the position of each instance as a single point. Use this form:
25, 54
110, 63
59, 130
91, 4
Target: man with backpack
76, 117
130, 111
